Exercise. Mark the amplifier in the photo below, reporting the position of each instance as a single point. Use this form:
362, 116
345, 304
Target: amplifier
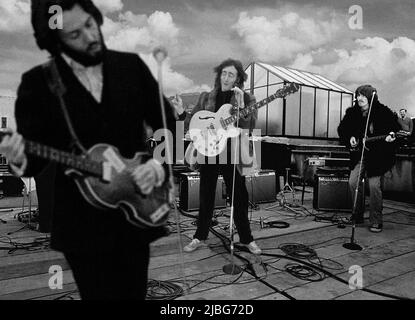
261, 186
189, 191
11, 186
331, 192
328, 162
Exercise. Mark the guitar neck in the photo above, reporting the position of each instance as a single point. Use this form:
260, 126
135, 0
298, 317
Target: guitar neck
80, 163
252, 108
377, 138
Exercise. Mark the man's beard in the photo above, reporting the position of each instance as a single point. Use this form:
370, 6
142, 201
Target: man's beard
83, 58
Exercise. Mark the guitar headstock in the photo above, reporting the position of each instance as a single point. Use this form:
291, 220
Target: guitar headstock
288, 89
402, 134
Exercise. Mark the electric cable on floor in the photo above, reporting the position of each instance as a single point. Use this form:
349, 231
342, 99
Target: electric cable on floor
163, 290
251, 272
334, 276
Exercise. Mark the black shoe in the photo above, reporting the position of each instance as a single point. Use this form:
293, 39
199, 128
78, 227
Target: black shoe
376, 227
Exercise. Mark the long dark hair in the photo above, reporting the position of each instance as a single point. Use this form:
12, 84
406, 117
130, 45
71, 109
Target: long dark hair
46, 37
367, 90
241, 75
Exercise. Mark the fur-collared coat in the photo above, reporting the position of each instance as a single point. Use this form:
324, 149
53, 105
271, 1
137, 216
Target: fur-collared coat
381, 155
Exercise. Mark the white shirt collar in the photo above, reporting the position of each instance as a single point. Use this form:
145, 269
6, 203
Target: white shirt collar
90, 77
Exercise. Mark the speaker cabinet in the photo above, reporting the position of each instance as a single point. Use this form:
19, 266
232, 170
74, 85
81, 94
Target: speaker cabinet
261, 186
11, 186
189, 192
331, 193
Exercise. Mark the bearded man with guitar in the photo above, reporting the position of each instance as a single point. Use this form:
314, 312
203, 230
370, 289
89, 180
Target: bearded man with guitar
85, 110
217, 117
230, 77
371, 127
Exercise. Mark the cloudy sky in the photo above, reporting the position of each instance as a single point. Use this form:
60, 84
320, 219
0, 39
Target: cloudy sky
321, 36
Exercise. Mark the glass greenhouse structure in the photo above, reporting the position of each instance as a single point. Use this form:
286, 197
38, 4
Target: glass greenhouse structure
314, 111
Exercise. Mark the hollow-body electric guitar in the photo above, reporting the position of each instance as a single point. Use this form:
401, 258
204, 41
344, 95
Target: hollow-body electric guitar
105, 180
209, 131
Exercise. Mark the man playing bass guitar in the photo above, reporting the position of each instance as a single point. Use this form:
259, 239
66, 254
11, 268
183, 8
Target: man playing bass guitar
108, 96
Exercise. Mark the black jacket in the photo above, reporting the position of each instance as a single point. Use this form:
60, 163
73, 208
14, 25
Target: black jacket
381, 154
130, 97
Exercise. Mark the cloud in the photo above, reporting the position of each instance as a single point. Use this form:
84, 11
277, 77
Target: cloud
126, 32
388, 65
108, 6
13, 62
137, 32
280, 38
7, 93
14, 15
173, 82
141, 34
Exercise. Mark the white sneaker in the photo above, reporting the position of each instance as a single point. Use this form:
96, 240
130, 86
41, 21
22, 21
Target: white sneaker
193, 245
253, 247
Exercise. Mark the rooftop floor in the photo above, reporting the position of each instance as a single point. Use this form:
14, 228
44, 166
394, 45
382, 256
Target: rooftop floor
387, 259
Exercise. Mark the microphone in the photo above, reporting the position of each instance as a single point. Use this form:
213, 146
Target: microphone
160, 54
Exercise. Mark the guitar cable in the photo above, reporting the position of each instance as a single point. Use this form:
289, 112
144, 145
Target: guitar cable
160, 54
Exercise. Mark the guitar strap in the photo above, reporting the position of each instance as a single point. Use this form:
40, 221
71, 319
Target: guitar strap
57, 87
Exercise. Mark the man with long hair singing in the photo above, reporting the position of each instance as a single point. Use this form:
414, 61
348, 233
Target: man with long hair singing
228, 88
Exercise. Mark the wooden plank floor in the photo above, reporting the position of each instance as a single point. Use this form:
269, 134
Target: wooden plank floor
387, 259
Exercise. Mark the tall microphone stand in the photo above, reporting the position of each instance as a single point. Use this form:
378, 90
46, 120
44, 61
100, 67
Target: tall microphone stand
28, 225
232, 268
352, 245
160, 54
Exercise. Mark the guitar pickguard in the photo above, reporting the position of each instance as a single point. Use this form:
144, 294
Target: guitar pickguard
121, 191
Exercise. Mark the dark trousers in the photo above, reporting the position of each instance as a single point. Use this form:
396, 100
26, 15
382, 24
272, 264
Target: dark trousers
208, 179
375, 190
117, 275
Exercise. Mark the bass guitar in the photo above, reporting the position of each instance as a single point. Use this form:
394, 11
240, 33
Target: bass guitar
105, 180
209, 131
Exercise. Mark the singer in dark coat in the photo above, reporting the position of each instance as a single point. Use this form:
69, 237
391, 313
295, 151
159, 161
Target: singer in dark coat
108, 256
378, 157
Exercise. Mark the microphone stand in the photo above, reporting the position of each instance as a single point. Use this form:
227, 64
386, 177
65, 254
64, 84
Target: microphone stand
232, 268
28, 224
160, 54
352, 245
